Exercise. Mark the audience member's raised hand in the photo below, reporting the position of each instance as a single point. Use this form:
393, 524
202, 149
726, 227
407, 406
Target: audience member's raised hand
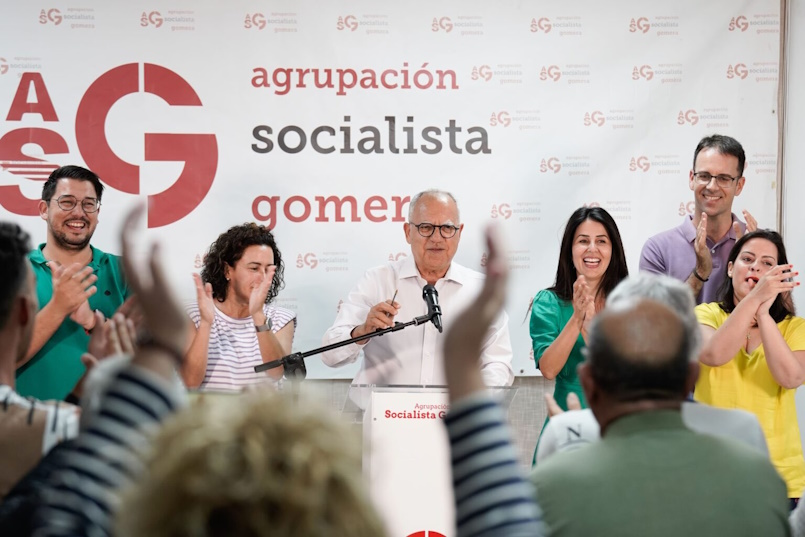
553, 408
110, 338
130, 309
116, 336
163, 317
99, 338
89, 362
463, 341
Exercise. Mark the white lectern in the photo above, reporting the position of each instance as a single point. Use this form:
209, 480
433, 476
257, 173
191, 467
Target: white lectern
406, 457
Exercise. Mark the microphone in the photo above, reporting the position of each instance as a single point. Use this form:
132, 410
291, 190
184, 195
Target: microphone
431, 297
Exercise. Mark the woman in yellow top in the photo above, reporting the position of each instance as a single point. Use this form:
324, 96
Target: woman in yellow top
753, 355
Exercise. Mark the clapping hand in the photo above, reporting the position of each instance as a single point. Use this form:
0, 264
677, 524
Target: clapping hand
553, 408
751, 225
776, 281
113, 337
163, 317
72, 286
582, 299
583, 304
704, 259
257, 299
206, 306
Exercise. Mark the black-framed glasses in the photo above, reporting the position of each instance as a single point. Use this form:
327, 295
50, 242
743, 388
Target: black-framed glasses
723, 180
68, 203
426, 229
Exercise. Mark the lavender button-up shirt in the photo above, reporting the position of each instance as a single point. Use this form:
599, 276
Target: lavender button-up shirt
671, 252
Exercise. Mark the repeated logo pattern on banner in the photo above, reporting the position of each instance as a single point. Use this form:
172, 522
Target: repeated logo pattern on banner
322, 121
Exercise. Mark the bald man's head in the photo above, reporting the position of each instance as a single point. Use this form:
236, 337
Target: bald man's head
638, 350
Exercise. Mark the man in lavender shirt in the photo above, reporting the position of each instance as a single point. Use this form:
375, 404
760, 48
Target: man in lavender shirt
696, 251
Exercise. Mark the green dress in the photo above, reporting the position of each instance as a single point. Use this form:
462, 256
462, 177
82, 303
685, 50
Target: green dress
549, 315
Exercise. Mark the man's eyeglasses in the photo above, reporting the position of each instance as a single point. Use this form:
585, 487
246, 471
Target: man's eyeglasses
426, 230
723, 180
68, 203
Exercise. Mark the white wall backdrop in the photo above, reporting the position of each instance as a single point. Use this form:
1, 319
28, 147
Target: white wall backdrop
525, 110
794, 140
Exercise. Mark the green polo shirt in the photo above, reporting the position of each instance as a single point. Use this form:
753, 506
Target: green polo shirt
651, 476
55, 369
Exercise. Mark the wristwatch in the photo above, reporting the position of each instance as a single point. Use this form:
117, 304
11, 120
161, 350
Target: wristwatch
264, 327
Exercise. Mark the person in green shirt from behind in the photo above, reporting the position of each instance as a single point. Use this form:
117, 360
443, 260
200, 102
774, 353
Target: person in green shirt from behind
78, 286
649, 474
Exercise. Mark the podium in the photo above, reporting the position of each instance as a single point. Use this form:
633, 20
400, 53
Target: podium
406, 456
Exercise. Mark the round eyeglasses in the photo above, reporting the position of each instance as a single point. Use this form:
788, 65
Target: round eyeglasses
723, 180
68, 203
426, 230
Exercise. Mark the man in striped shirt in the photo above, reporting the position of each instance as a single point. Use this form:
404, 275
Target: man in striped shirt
492, 496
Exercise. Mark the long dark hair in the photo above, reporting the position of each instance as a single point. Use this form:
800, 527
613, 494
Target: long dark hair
783, 305
566, 272
228, 248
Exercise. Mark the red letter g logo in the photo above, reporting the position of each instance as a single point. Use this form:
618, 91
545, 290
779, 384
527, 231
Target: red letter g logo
199, 152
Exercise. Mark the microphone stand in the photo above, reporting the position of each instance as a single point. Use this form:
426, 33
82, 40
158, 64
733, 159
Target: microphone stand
295, 363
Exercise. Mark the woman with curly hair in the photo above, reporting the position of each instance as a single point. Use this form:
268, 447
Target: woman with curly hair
236, 327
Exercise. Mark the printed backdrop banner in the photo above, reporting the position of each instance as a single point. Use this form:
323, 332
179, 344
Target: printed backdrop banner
322, 119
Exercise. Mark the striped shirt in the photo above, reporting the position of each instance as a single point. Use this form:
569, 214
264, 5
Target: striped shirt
493, 498
83, 492
29, 429
233, 350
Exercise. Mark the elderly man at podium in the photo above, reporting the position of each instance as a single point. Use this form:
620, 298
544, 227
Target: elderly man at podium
394, 292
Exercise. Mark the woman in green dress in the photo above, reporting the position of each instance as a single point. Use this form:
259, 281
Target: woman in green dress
591, 264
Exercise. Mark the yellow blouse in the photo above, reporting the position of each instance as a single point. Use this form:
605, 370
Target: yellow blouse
745, 382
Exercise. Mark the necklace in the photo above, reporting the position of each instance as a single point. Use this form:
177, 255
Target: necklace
749, 334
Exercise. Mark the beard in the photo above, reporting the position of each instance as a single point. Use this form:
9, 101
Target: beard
65, 241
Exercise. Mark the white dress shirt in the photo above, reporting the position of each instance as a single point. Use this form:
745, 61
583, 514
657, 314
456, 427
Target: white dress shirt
413, 356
